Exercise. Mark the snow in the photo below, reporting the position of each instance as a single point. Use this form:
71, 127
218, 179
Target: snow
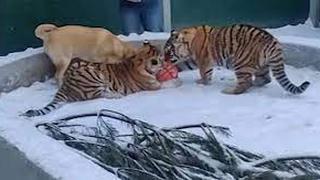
145, 36
266, 120
57, 160
303, 34
301, 30
19, 55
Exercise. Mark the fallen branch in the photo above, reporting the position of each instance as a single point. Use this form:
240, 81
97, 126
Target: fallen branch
149, 152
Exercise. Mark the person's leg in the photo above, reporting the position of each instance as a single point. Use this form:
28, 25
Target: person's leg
130, 17
152, 15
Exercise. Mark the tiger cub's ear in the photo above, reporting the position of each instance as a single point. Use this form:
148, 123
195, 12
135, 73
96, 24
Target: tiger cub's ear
174, 32
146, 42
139, 62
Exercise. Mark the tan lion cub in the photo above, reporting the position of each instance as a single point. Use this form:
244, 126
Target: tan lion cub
62, 44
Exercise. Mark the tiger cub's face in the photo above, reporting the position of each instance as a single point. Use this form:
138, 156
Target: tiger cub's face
154, 64
177, 48
149, 59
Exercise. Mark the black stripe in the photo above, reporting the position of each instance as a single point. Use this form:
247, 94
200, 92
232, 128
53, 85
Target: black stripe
72, 93
272, 47
231, 40
209, 71
242, 39
40, 112
91, 74
259, 35
277, 68
279, 73
217, 44
85, 77
223, 42
188, 65
113, 86
205, 38
285, 83
290, 88
97, 93
251, 31
281, 76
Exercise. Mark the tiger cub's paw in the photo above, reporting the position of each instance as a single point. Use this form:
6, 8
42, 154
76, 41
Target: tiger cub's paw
173, 83
54, 83
154, 85
261, 81
203, 81
30, 113
233, 90
113, 95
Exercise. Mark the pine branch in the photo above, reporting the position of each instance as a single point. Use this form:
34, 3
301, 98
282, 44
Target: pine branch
170, 153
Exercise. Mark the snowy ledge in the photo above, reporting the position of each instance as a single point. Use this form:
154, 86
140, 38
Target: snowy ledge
52, 156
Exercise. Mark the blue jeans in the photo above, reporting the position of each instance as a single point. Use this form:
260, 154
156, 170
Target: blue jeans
142, 16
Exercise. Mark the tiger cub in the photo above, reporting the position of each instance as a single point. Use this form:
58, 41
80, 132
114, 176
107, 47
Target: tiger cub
249, 51
84, 80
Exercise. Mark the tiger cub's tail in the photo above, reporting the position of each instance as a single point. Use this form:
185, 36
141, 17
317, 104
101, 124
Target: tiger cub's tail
59, 100
40, 112
277, 68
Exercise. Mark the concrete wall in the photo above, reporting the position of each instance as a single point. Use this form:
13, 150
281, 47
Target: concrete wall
25, 71
302, 56
15, 166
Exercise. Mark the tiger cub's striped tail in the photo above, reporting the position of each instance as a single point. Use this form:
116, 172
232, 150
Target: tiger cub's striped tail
277, 68
40, 112
57, 102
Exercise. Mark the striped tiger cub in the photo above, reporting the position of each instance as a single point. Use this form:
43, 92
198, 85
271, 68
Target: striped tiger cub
84, 80
250, 51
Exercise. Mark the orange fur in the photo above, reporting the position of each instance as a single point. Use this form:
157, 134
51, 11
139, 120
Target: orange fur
85, 80
250, 51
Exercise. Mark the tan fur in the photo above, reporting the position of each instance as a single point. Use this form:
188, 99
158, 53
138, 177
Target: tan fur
95, 44
250, 51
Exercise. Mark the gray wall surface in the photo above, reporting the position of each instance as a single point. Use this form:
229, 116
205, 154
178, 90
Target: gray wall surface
25, 71
15, 166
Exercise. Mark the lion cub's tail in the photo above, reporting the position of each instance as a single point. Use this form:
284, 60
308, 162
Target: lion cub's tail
43, 29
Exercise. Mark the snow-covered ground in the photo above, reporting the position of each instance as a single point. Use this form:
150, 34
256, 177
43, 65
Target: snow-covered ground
266, 120
303, 34
301, 30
